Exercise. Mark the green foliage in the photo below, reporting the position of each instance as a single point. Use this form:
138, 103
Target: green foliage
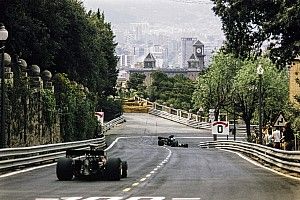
230, 81
250, 24
175, 90
136, 81
112, 108
296, 125
48, 106
76, 109
274, 90
62, 37
214, 86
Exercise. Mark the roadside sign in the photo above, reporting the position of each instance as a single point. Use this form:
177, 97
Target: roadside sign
211, 114
280, 121
220, 128
100, 117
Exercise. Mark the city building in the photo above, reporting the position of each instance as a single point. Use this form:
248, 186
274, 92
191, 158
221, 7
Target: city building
186, 50
196, 60
294, 75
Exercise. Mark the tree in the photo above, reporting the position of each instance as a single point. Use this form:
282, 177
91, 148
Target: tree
69, 40
213, 87
76, 108
245, 90
249, 25
62, 37
136, 81
176, 91
232, 82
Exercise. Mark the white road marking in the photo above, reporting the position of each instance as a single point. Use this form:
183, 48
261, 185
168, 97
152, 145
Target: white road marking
115, 198
148, 175
185, 198
106, 198
150, 198
126, 189
143, 179
135, 184
25, 170
47, 199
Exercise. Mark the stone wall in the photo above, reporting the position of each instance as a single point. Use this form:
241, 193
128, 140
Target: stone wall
25, 121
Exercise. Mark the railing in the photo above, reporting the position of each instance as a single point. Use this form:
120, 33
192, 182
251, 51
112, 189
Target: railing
25, 156
178, 119
190, 121
112, 123
280, 160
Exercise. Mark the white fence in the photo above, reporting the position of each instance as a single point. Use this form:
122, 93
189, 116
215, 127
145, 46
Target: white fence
192, 122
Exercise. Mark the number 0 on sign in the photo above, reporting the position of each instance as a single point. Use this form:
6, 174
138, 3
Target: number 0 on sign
220, 128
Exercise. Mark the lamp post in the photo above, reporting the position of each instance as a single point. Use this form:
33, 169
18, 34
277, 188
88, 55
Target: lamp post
234, 122
3, 38
260, 72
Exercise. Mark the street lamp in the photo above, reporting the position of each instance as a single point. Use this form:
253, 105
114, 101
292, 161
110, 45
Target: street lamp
3, 38
234, 122
260, 72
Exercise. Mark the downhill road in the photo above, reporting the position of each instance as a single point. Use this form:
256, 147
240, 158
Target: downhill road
157, 172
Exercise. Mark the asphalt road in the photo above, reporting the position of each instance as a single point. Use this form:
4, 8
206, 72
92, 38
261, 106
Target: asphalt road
159, 172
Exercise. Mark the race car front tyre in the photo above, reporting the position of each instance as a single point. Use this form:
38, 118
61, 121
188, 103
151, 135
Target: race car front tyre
124, 169
64, 169
113, 169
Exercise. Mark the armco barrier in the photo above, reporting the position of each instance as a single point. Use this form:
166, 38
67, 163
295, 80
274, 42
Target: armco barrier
280, 159
178, 119
24, 156
241, 129
112, 123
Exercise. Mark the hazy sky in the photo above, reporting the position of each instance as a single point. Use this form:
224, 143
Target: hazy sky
165, 12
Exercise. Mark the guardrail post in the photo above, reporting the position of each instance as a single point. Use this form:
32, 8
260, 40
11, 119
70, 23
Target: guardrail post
179, 113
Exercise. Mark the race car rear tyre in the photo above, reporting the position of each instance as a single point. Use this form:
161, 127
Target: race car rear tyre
160, 143
113, 169
64, 169
124, 169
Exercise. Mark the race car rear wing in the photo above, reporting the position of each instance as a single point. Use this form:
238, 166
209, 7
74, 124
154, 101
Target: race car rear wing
75, 152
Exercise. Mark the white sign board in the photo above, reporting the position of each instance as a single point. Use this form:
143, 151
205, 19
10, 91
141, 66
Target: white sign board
211, 115
100, 117
220, 128
280, 121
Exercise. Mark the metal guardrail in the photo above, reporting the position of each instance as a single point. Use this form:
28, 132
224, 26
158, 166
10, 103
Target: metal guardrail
113, 123
280, 159
178, 119
189, 122
25, 156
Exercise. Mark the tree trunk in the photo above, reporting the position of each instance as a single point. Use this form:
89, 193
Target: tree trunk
248, 127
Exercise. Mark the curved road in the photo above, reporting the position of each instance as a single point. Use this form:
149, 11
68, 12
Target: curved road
159, 172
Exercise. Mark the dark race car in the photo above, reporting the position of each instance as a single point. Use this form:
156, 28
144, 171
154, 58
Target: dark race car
170, 141
91, 164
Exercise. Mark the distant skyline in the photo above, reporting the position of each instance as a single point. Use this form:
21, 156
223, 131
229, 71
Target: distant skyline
184, 14
141, 24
